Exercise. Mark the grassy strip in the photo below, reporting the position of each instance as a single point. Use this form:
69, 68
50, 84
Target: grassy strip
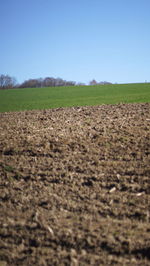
45, 98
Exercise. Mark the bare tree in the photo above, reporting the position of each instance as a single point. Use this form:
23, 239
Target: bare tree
70, 83
49, 82
7, 82
31, 83
93, 82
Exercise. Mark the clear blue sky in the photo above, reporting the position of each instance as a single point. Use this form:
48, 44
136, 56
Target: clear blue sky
77, 40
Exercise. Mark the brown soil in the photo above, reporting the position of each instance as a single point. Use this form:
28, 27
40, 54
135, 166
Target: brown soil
75, 186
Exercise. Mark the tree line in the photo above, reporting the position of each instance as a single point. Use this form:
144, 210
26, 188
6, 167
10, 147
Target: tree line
8, 82
94, 82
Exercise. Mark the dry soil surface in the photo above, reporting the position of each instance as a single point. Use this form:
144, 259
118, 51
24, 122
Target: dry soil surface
75, 186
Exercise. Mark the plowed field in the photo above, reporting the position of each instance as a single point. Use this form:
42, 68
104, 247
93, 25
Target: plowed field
75, 186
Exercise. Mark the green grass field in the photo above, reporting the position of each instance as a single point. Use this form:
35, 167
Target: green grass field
45, 98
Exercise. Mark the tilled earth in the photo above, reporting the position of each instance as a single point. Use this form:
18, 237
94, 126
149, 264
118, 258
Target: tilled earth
75, 186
